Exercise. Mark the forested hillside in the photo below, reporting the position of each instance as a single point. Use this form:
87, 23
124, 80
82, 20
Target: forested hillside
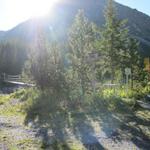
13, 54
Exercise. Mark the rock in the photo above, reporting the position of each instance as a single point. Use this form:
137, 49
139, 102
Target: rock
147, 98
143, 104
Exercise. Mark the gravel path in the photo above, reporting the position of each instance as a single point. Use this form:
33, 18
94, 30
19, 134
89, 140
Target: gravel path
14, 134
12, 130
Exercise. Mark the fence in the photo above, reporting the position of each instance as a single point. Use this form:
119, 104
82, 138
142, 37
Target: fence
6, 77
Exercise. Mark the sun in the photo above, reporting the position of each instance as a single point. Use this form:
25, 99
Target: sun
24, 9
39, 7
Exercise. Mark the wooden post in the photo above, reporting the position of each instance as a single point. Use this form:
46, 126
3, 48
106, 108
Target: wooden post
4, 76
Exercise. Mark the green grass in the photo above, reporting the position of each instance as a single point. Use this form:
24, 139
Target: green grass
4, 99
11, 108
26, 144
124, 92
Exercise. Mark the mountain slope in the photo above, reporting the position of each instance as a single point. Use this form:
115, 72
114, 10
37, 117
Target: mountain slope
63, 15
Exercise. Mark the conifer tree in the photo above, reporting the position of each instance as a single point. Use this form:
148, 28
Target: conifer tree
135, 60
46, 65
80, 40
113, 42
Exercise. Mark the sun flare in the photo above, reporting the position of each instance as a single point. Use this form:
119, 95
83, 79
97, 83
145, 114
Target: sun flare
40, 7
32, 8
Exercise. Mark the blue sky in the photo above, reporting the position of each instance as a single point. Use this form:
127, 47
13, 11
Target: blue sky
141, 5
13, 12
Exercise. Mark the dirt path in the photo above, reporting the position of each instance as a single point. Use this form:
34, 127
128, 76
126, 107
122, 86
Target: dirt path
13, 134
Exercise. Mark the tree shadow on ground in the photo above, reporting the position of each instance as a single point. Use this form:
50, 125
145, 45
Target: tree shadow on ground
123, 123
132, 124
57, 123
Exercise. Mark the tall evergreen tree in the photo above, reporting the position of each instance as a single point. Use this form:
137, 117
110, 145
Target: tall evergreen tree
135, 61
113, 40
80, 40
46, 64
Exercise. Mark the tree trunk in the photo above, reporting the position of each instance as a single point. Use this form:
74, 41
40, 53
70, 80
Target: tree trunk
112, 75
132, 83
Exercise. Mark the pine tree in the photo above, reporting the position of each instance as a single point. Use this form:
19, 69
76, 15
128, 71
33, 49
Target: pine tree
46, 65
135, 60
81, 37
113, 42
13, 54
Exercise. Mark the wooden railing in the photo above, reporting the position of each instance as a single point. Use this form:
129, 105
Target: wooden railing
15, 79
6, 77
